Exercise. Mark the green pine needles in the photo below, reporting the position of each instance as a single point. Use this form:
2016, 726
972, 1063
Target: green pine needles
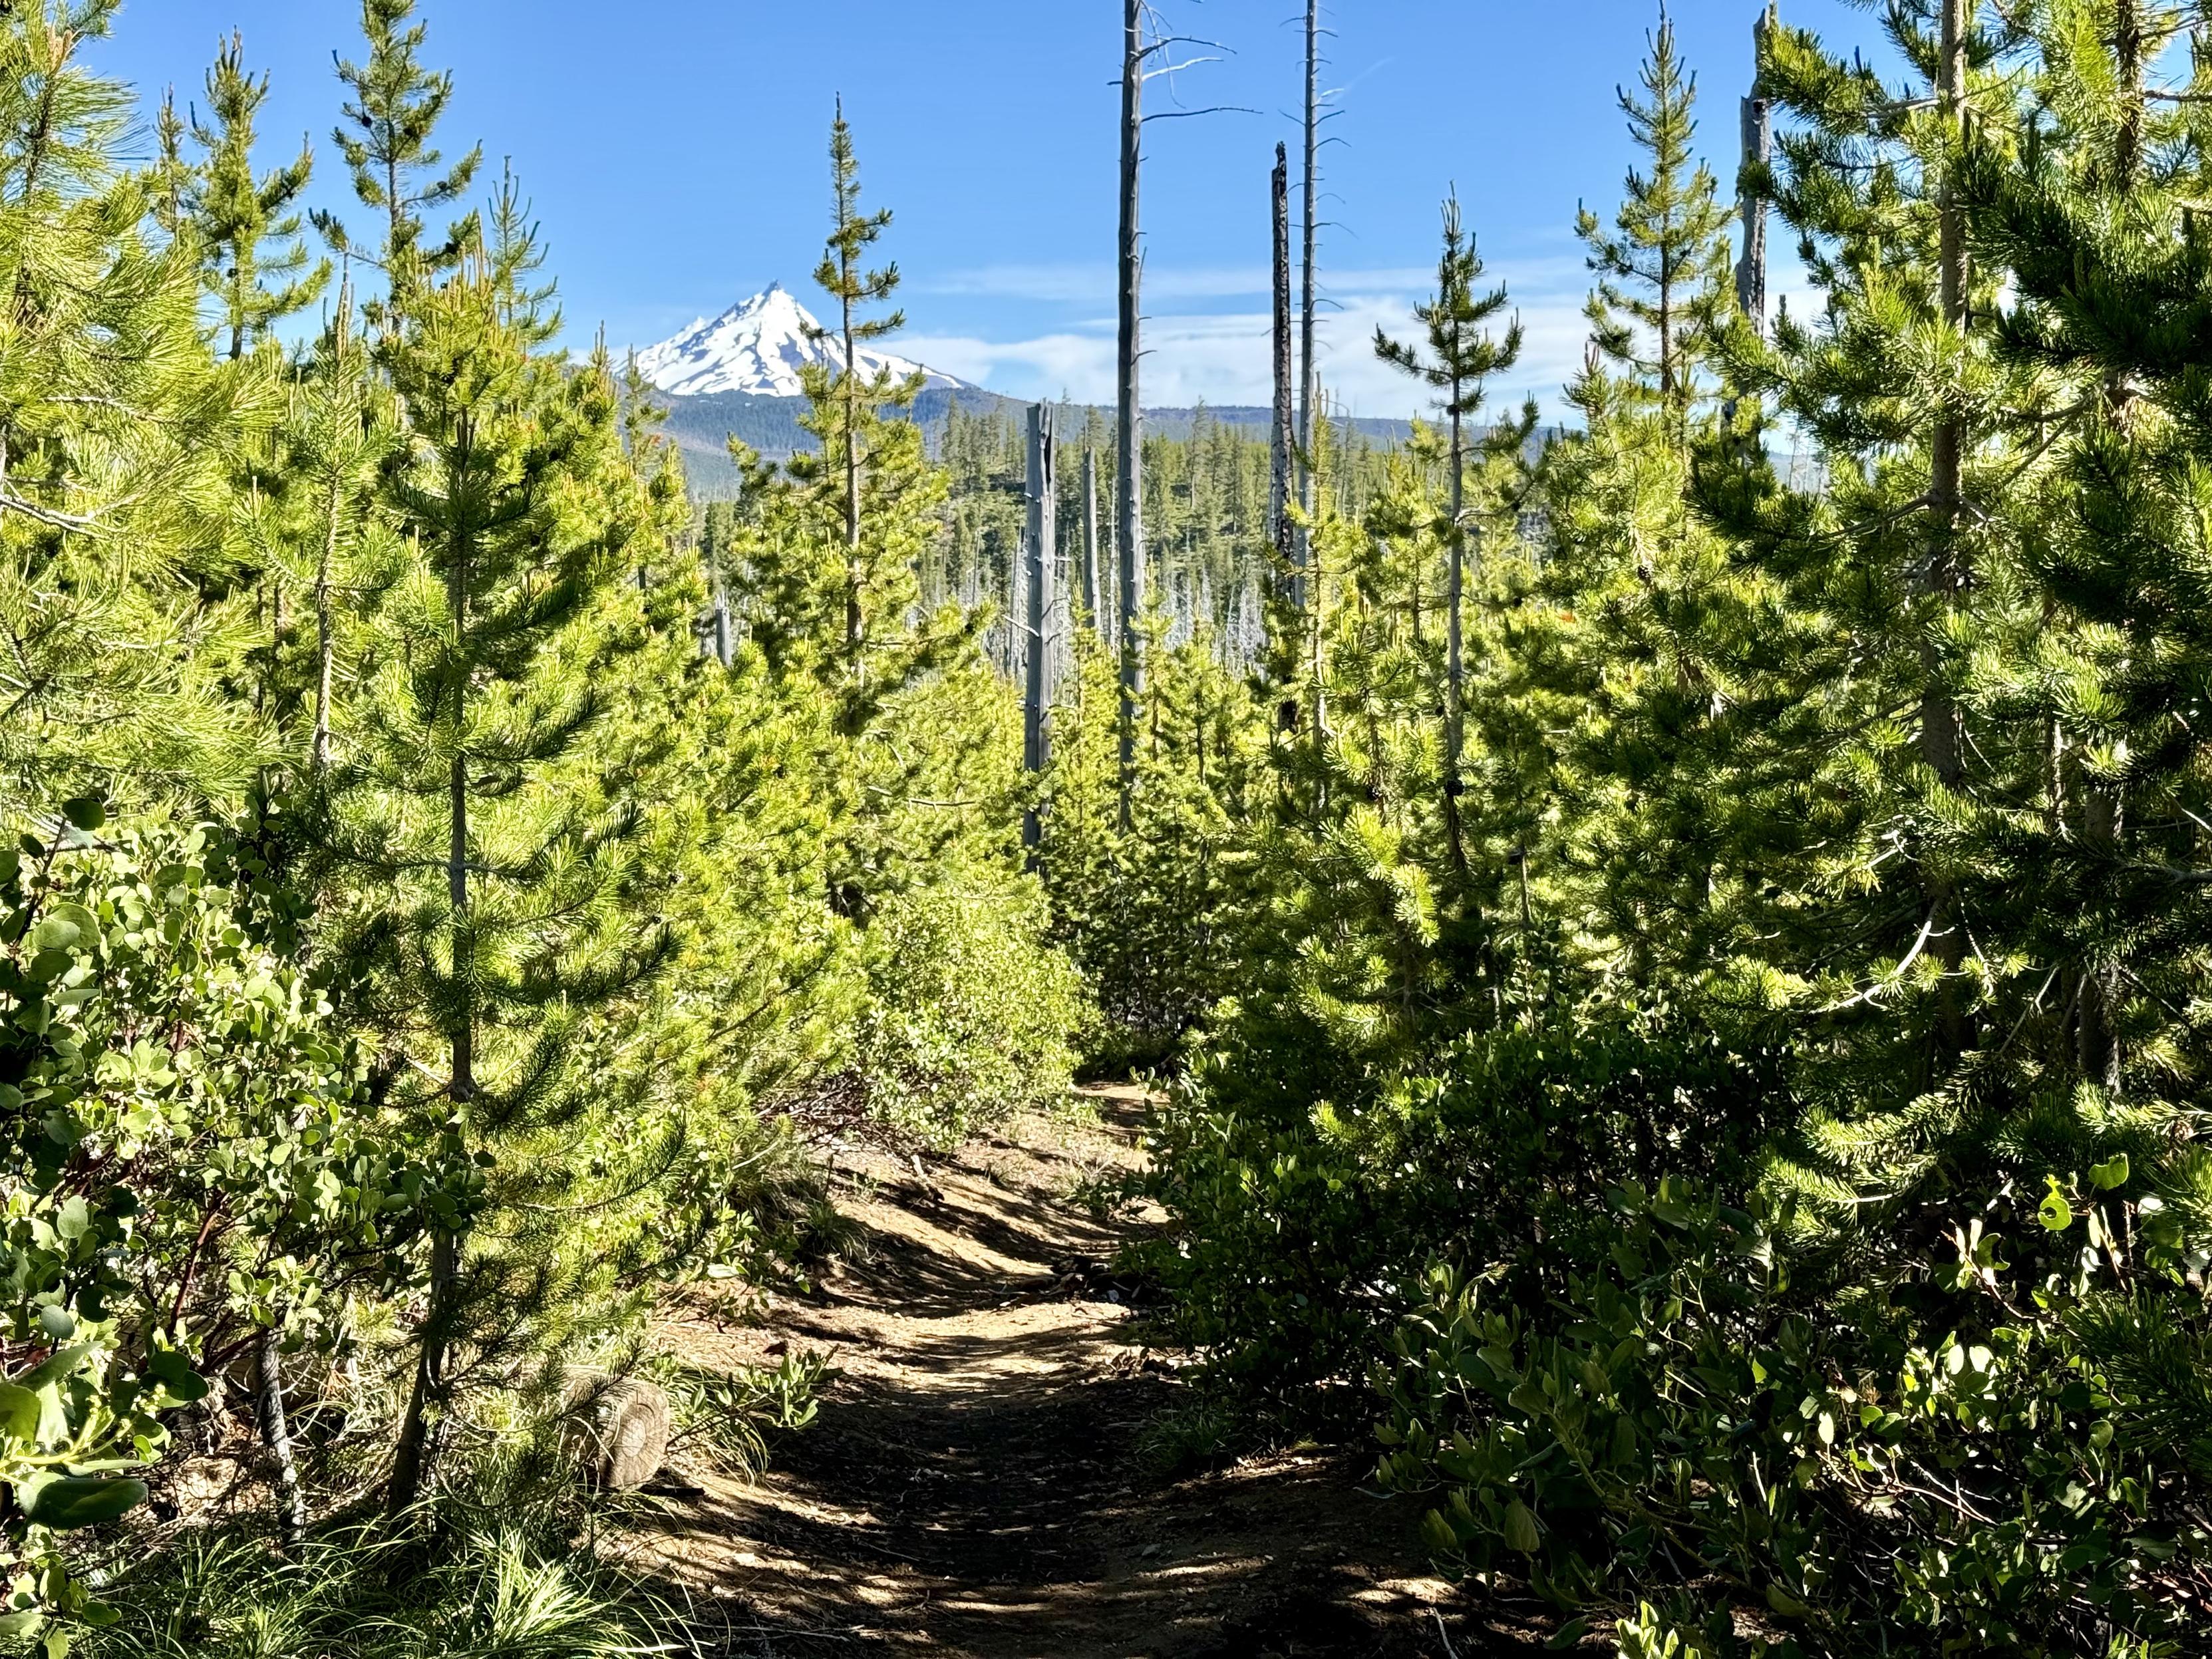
1679, 971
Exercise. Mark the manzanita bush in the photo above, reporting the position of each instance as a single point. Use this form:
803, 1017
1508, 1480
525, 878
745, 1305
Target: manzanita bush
192, 1159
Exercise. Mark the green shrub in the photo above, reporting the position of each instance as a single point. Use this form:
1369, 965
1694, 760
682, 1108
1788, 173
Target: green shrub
1296, 1220
1952, 1467
192, 1160
971, 1012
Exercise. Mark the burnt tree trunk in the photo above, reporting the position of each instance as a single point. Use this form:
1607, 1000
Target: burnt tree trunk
1039, 561
1129, 506
1281, 443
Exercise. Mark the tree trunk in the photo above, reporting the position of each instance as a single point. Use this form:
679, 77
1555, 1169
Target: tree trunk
411, 1459
2128, 55
1092, 598
1751, 205
853, 619
1129, 512
325, 568
1941, 746
325, 644
1040, 556
1280, 443
1455, 670
2100, 806
1310, 302
276, 1435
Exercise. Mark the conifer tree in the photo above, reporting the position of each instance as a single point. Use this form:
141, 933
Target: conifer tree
842, 275
1648, 620
1463, 355
1668, 244
238, 214
482, 898
103, 449
385, 139
340, 434
169, 181
1898, 386
1137, 52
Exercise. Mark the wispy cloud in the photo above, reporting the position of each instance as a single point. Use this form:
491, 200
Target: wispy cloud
1093, 284
1222, 357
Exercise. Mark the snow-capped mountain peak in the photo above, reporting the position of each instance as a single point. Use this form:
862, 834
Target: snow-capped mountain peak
758, 347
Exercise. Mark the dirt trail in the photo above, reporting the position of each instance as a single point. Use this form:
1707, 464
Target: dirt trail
978, 1482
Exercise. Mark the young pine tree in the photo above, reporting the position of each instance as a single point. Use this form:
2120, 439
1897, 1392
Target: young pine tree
483, 916
1463, 355
385, 137
238, 214
113, 429
340, 433
1662, 293
1885, 583
1647, 623
858, 399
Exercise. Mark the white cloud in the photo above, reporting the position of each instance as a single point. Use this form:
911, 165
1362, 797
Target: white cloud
1094, 284
1223, 357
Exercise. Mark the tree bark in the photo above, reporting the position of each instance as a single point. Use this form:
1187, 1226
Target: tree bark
1040, 555
1310, 302
1280, 440
276, 1435
410, 1461
1757, 117
1092, 598
1942, 745
1129, 513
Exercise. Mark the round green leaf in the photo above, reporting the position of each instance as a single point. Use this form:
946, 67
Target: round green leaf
176, 1376
56, 933
2055, 1212
1784, 1603
70, 1501
19, 1413
86, 812
2112, 1172
1520, 1528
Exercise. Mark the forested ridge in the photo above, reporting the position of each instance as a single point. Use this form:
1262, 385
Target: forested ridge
1669, 955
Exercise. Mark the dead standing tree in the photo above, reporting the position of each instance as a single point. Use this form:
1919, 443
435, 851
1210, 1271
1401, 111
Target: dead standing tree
1041, 578
1147, 54
1092, 598
1752, 186
1281, 443
1316, 113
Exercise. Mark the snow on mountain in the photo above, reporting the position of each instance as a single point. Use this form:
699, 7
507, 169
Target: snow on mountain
758, 347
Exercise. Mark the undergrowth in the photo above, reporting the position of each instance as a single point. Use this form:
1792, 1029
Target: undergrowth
508, 1570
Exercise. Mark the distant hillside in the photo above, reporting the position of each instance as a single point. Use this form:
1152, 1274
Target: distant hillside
702, 426
1253, 418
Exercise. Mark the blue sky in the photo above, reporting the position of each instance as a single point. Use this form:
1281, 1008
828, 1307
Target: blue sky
675, 153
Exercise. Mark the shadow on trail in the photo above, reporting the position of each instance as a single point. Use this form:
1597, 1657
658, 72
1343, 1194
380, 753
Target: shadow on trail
976, 1483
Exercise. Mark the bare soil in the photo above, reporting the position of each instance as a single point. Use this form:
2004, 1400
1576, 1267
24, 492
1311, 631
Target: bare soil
982, 1482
